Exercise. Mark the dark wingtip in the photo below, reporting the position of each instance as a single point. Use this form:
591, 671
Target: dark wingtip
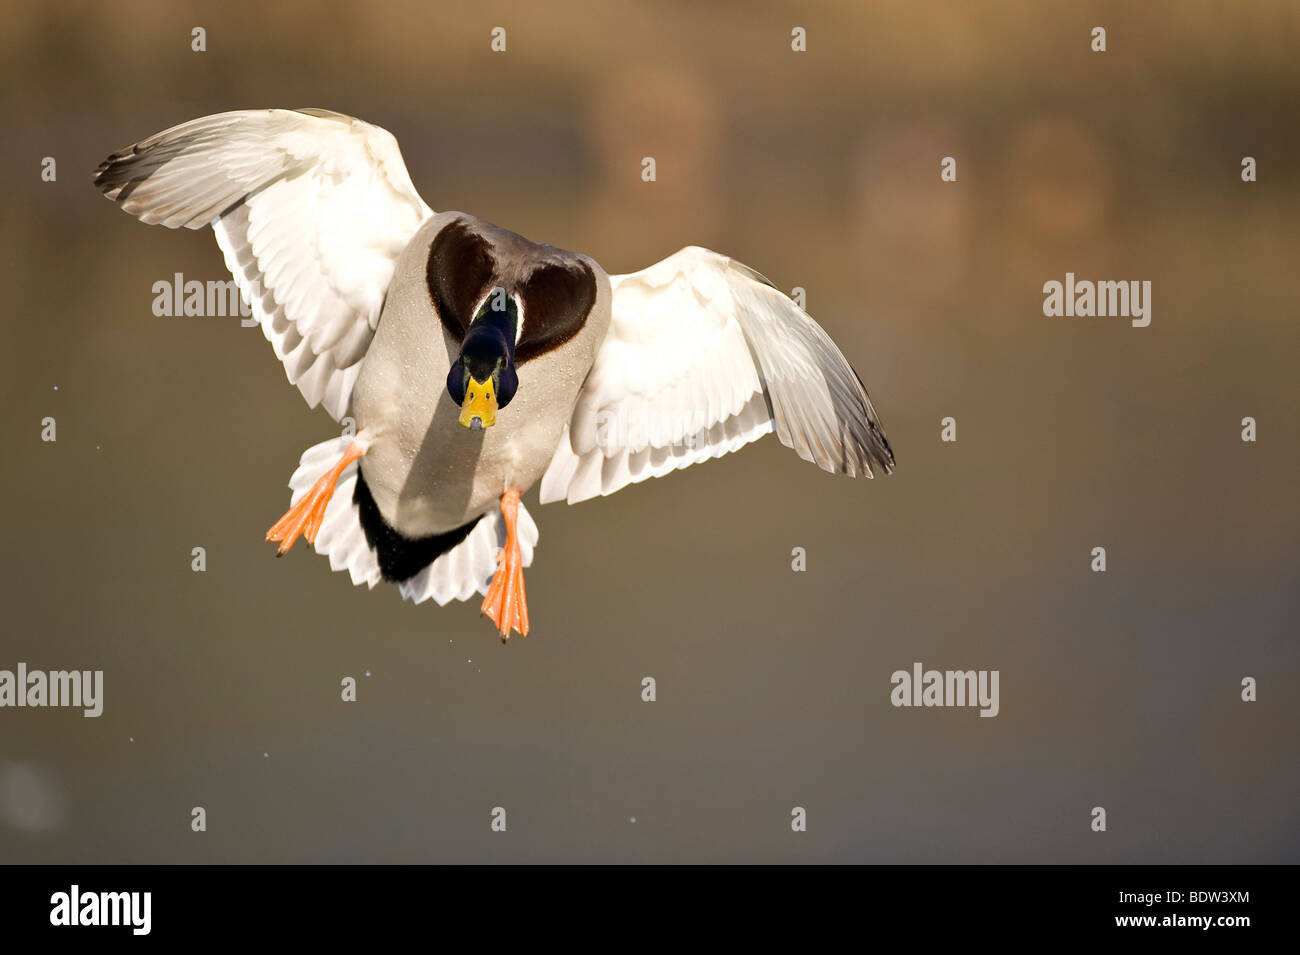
113, 173
877, 447
883, 454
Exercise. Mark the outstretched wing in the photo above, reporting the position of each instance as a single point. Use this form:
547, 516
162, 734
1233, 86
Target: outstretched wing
311, 209
703, 356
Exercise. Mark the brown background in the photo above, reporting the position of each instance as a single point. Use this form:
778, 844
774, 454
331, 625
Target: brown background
820, 170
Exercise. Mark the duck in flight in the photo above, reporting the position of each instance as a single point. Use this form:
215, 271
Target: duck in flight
473, 362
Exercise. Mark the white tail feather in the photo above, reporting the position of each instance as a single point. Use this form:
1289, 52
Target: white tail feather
464, 570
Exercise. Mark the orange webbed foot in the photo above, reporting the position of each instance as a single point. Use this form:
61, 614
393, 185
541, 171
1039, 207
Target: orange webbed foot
505, 602
306, 516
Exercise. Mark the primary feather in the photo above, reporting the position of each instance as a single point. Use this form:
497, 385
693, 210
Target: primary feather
703, 356
310, 208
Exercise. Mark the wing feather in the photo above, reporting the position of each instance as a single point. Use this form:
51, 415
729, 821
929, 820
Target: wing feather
310, 208
703, 356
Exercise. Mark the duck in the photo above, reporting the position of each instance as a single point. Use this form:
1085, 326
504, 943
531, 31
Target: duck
468, 363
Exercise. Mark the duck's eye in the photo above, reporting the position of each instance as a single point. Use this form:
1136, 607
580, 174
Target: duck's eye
487, 394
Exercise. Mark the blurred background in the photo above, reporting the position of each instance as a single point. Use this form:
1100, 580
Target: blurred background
821, 170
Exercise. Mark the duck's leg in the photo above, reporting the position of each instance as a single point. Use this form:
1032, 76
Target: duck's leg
306, 515
505, 602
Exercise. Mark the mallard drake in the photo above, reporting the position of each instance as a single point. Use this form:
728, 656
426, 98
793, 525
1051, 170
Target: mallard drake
474, 362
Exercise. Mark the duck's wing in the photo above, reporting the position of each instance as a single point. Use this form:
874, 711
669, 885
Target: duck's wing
704, 355
311, 209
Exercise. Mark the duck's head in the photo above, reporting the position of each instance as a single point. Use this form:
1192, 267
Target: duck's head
482, 378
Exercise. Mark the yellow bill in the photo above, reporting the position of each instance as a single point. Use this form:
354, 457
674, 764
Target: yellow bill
479, 409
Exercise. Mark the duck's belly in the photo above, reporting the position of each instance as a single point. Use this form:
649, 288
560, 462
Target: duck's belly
426, 472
